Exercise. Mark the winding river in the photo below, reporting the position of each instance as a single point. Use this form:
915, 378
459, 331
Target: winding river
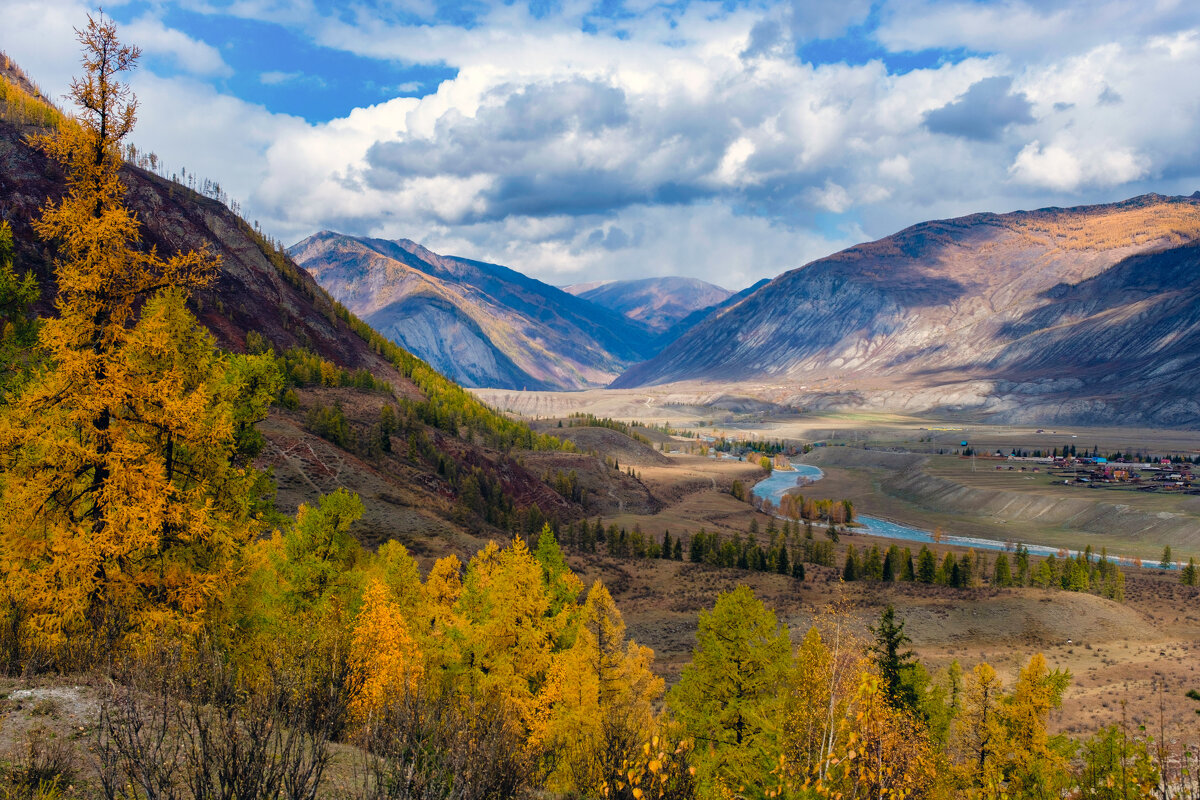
774, 486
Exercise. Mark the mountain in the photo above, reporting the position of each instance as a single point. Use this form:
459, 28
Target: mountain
479, 324
448, 478
658, 302
1079, 314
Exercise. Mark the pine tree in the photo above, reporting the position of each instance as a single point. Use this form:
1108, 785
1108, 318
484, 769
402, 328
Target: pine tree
926, 566
981, 738
1167, 560
1187, 575
851, 570
601, 693
948, 573
1003, 574
781, 561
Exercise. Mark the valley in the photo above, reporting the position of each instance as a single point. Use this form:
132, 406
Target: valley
1146, 645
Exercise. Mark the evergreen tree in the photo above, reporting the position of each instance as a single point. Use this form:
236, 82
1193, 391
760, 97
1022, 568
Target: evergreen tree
1002, 576
851, 570
966, 571
948, 573
926, 566
1167, 560
873, 565
729, 696
893, 661
781, 561
1187, 575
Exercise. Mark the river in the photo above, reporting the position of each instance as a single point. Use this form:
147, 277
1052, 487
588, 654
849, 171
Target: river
774, 486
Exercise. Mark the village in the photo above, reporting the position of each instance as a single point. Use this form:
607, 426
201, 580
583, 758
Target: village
1162, 475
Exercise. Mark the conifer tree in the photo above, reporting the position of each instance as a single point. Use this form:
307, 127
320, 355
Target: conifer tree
1188, 575
926, 566
852, 570
893, 661
126, 501
602, 692
727, 698
1002, 576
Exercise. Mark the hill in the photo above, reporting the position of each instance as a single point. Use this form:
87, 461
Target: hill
449, 472
1080, 314
479, 324
659, 302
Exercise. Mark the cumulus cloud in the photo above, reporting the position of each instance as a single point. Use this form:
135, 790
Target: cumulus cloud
189, 54
1067, 168
983, 113
681, 139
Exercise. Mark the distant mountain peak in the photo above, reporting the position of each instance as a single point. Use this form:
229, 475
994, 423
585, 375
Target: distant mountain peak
480, 324
659, 302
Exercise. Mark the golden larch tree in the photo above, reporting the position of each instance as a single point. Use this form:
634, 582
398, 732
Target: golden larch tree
125, 499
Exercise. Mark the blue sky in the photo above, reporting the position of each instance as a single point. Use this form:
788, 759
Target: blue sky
585, 139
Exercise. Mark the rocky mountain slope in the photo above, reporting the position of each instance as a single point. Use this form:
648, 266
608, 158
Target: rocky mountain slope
658, 302
1081, 314
479, 324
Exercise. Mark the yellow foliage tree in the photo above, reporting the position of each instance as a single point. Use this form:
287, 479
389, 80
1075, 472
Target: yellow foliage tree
1036, 767
882, 751
602, 693
509, 632
384, 657
125, 500
981, 739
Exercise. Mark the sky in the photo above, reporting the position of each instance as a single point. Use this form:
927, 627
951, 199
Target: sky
582, 140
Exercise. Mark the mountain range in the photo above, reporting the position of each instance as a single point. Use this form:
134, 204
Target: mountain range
479, 324
1088, 314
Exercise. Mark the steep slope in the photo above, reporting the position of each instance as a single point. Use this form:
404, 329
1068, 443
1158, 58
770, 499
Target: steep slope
479, 324
658, 302
424, 489
1089, 313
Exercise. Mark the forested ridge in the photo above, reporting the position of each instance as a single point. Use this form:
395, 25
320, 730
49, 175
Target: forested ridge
245, 653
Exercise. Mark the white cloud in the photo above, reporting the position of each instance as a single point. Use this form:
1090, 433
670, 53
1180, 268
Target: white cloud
1065, 168
190, 55
680, 148
276, 78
